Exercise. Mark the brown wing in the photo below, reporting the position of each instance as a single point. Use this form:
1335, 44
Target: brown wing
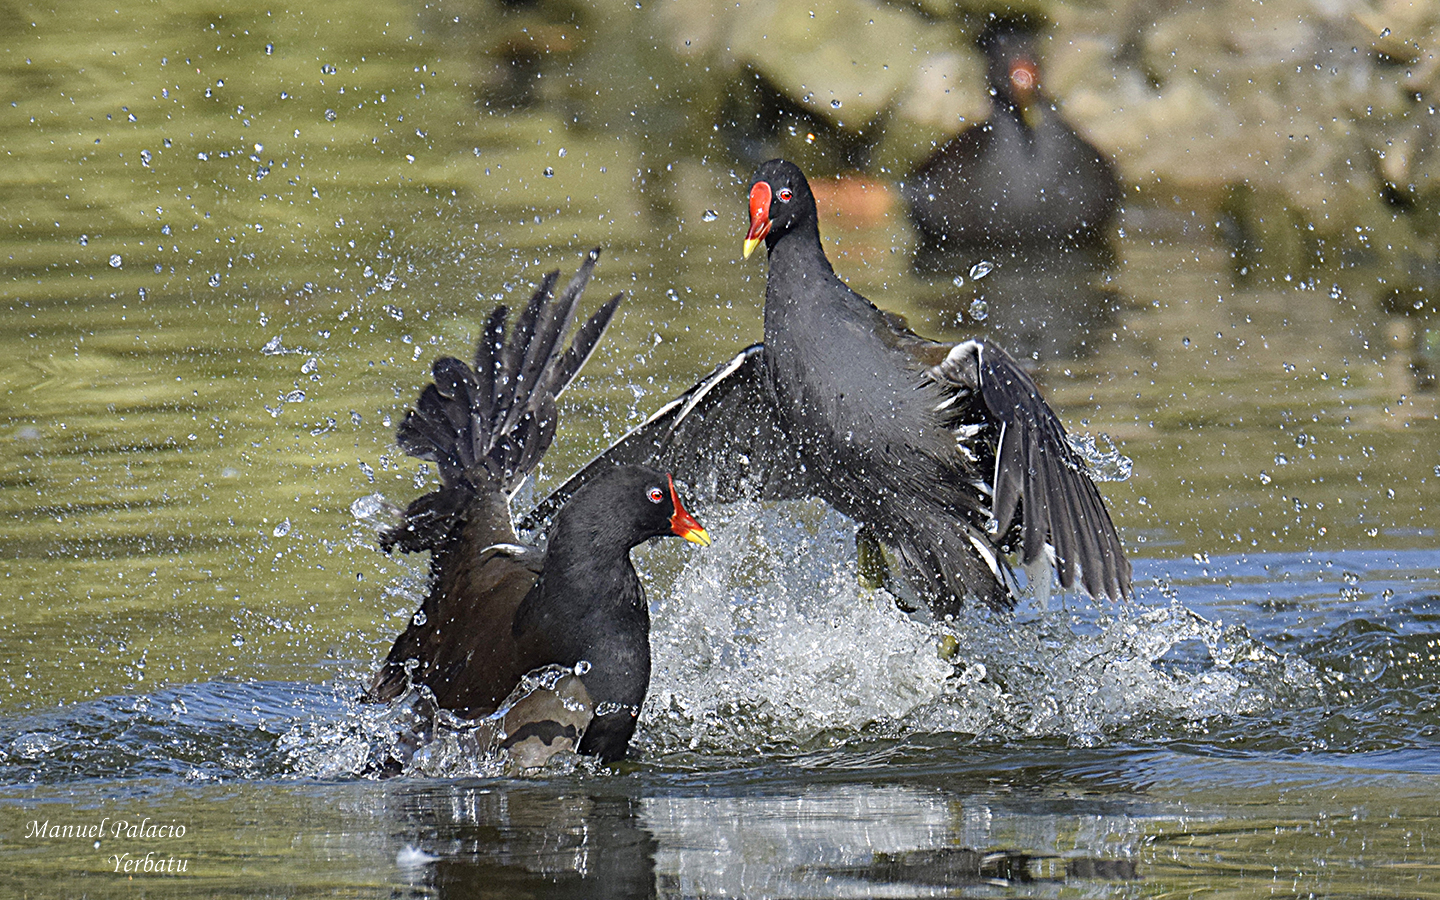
459, 644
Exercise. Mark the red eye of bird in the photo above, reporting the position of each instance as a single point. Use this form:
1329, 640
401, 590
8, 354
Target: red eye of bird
785, 195
656, 495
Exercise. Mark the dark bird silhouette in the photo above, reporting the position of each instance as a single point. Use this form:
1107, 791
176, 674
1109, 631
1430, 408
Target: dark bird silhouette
945, 454
499, 609
1021, 180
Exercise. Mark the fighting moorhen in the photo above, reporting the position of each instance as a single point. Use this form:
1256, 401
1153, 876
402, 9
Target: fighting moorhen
946, 455
498, 609
1021, 179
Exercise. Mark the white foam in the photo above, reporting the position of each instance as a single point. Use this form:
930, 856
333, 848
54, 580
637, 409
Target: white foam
766, 640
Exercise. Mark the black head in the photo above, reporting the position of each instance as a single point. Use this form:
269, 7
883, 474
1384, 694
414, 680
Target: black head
1012, 63
627, 506
780, 201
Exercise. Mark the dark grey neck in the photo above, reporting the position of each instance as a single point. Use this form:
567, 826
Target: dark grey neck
589, 544
795, 256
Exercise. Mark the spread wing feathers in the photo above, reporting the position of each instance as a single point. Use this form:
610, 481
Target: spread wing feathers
949, 563
489, 425
720, 437
1038, 476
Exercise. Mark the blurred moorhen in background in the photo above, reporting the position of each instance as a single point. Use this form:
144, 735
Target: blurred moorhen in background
1021, 179
946, 455
498, 609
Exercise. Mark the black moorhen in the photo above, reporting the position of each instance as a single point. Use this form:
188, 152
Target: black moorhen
945, 454
1021, 179
498, 609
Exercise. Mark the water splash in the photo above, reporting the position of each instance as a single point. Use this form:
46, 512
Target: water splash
408, 736
769, 643
1103, 465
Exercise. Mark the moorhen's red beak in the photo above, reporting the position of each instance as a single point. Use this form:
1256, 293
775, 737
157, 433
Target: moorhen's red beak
759, 217
684, 524
1024, 81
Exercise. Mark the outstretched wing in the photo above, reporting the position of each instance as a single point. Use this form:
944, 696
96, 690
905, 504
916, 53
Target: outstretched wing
1037, 475
487, 427
721, 438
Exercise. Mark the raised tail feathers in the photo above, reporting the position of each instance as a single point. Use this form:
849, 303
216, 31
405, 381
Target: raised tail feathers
491, 424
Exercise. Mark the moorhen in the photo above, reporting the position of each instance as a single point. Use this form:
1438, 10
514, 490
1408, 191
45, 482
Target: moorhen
498, 609
945, 454
1022, 179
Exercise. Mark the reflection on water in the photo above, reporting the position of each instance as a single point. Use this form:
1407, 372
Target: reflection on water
1105, 823
1165, 752
302, 226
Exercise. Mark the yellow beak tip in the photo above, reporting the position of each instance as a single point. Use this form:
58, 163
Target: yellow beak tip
698, 536
750, 245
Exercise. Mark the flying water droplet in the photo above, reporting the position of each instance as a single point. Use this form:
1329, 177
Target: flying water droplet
214, 280
238, 640
269, 49
84, 240
979, 309
419, 618
115, 261
834, 104
1107, 464
327, 69
981, 269
1265, 477
330, 115
709, 215
367, 507
549, 172
959, 281
282, 529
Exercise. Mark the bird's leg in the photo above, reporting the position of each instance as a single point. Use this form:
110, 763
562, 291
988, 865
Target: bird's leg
871, 566
876, 566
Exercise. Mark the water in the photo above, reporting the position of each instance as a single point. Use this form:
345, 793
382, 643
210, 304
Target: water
195, 455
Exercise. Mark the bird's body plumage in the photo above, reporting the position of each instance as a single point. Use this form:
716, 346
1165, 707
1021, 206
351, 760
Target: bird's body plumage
944, 453
1022, 181
498, 609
